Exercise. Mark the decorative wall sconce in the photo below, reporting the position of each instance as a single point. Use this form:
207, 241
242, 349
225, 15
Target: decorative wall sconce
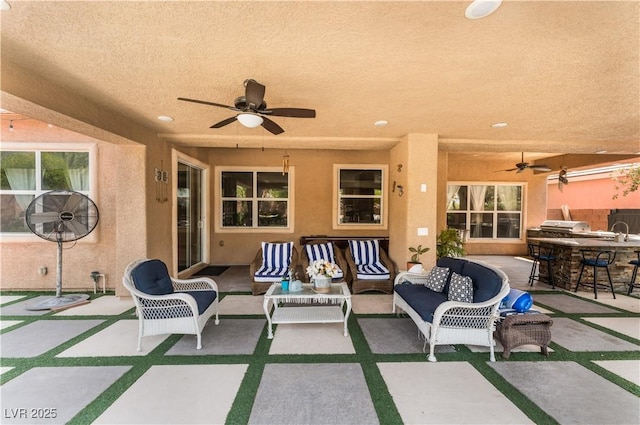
161, 178
400, 190
285, 163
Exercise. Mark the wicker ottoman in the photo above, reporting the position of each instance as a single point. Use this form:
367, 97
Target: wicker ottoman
521, 329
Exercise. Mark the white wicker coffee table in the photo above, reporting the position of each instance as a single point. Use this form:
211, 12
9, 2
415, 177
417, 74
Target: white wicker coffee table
325, 308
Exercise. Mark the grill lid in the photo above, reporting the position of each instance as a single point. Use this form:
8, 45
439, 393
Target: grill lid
565, 226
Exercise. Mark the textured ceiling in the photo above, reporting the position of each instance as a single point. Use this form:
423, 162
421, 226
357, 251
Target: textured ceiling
564, 75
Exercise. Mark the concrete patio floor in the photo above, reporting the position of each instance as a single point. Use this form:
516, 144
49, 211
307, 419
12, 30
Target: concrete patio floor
81, 366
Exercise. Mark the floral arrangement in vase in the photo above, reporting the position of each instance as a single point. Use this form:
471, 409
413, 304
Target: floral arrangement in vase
322, 268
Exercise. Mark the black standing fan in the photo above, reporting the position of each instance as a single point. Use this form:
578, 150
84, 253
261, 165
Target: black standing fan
61, 216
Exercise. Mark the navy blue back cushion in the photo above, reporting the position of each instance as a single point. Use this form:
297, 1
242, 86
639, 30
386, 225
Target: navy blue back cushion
422, 299
203, 299
152, 277
454, 265
486, 282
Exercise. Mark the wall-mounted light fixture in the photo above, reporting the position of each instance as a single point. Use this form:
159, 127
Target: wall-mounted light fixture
161, 178
285, 163
400, 190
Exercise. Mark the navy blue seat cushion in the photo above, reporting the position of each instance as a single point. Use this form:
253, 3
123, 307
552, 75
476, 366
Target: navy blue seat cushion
422, 299
595, 263
152, 277
176, 308
486, 282
203, 299
635, 262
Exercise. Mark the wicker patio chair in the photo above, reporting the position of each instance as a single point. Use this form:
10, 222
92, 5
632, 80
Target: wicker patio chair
261, 283
165, 305
322, 249
362, 281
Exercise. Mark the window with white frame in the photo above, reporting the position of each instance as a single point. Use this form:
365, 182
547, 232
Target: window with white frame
26, 174
486, 211
359, 196
255, 198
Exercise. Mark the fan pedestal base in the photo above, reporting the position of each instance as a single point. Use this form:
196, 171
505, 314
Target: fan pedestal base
61, 302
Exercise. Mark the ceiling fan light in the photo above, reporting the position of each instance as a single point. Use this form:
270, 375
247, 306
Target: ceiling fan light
479, 9
250, 120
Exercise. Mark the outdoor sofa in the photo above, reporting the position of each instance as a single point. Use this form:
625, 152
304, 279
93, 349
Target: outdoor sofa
456, 303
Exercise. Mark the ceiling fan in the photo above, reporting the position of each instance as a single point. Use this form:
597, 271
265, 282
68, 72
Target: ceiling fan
521, 166
253, 109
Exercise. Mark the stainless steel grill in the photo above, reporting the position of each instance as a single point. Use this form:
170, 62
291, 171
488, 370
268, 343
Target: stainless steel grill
565, 226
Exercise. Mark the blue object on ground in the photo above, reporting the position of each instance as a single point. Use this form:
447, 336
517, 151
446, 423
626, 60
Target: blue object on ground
517, 300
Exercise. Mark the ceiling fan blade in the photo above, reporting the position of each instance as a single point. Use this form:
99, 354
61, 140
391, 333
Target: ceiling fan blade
540, 167
254, 93
271, 126
520, 170
291, 112
204, 102
224, 122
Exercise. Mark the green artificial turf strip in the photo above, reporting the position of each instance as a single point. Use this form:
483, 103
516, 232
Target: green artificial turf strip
243, 403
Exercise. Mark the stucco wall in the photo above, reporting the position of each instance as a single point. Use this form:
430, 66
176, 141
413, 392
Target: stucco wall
313, 196
589, 193
414, 165
20, 261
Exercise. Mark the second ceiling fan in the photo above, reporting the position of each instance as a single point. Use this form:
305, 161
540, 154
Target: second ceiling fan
521, 166
253, 110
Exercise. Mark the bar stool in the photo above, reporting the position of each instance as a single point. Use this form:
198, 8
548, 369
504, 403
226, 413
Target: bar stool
634, 274
596, 259
538, 254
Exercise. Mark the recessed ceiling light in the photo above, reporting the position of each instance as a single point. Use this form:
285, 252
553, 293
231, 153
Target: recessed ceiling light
4, 5
165, 118
601, 151
499, 125
381, 123
481, 8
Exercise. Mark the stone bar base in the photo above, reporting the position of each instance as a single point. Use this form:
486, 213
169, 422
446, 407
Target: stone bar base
566, 267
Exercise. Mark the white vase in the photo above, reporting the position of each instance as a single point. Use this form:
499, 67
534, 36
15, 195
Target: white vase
322, 283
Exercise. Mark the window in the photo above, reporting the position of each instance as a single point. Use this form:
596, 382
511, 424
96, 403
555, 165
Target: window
359, 200
487, 211
255, 199
26, 174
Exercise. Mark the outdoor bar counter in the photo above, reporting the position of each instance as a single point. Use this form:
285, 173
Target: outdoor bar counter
566, 266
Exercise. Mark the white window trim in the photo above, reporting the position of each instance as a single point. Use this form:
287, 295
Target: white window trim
219, 228
383, 200
92, 148
523, 231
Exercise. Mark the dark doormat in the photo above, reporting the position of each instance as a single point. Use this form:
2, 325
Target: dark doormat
211, 271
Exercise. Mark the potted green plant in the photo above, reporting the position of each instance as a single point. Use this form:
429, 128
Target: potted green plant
416, 253
449, 244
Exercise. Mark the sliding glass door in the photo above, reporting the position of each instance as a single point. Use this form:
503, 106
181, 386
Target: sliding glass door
190, 223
